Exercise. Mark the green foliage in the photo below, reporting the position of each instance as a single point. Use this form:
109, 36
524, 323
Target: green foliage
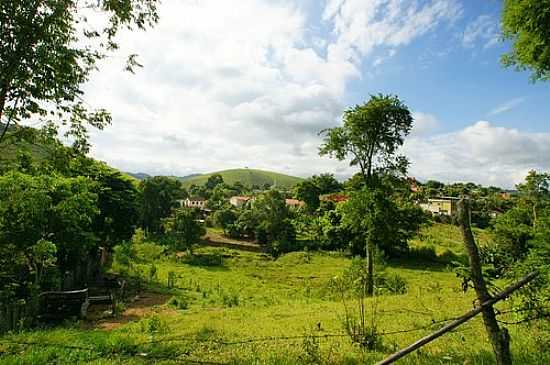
373, 218
184, 228
308, 192
224, 218
526, 23
117, 200
49, 49
213, 181
273, 221
158, 197
178, 302
371, 136
37, 212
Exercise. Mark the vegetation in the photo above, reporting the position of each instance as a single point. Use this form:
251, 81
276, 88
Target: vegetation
49, 49
247, 177
217, 310
299, 290
526, 23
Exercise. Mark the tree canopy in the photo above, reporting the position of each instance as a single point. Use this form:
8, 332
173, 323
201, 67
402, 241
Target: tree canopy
48, 50
527, 24
371, 135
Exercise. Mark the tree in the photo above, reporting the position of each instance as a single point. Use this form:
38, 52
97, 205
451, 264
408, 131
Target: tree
326, 183
48, 50
185, 228
213, 181
159, 196
370, 217
272, 218
117, 200
38, 211
309, 192
224, 218
527, 24
371, 135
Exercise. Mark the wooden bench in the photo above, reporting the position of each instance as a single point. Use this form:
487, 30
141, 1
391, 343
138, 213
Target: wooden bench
61, 304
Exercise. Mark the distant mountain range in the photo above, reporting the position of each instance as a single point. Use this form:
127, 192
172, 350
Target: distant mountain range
248, 177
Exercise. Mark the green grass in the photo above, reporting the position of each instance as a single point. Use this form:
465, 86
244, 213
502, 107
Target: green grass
231, 297
247, 177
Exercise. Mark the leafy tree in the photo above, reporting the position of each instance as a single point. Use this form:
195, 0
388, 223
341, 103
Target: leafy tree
185, 228
535, 192
48, 50
309, 192
213, 181
527, 24
225, 218
326, 183
217, 199
379, 222
36, 212
371, 135
117, 200
159, 196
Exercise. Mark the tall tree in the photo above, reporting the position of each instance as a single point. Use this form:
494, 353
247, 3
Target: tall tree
371, 136
159, 196
185, 228
527, 24
49, 48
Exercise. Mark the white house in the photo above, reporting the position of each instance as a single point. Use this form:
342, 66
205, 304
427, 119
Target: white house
239, 201
195, 202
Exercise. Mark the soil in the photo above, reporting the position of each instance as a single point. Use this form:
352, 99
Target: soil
142, 305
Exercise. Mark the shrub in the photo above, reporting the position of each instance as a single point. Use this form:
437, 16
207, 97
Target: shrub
391, 284
178, 302
147, 251
424, 253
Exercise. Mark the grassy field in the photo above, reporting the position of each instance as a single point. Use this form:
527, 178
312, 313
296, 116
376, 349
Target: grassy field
247, 177
235, 307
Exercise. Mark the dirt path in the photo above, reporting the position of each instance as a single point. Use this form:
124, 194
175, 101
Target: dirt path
218, 240
142, 306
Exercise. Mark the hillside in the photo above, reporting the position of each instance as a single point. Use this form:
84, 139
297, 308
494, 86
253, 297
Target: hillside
246, 177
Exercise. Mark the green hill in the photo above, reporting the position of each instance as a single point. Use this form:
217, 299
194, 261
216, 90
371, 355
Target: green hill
246, 177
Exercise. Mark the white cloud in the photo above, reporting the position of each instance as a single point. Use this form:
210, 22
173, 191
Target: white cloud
424, 124
481, 153
484, 29
247, 83
504, 107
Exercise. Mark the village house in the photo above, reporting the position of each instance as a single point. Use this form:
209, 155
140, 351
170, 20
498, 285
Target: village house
195, 202
334, 197
239, 201
295, 203
442, 205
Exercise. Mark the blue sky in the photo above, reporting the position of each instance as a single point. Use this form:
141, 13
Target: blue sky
252, 82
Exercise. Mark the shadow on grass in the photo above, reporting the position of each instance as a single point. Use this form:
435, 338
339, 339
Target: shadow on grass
208, 261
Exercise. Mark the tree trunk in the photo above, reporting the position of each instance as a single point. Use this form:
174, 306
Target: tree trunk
370, 267
3, 96
499, 337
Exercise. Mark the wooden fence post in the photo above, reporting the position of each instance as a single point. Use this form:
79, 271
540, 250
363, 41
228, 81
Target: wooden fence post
457, 322
500, 339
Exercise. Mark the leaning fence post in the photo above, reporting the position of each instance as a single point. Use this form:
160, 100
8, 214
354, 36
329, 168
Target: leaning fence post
457, 322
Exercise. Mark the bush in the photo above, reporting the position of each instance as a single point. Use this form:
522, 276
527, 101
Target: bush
390, 284
424, 253
147, 251
178, 302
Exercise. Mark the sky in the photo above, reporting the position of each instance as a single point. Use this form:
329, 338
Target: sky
251, 83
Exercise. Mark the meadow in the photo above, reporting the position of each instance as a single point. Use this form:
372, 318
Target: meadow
224, 306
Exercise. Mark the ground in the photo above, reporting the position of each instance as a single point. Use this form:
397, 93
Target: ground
236, 307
